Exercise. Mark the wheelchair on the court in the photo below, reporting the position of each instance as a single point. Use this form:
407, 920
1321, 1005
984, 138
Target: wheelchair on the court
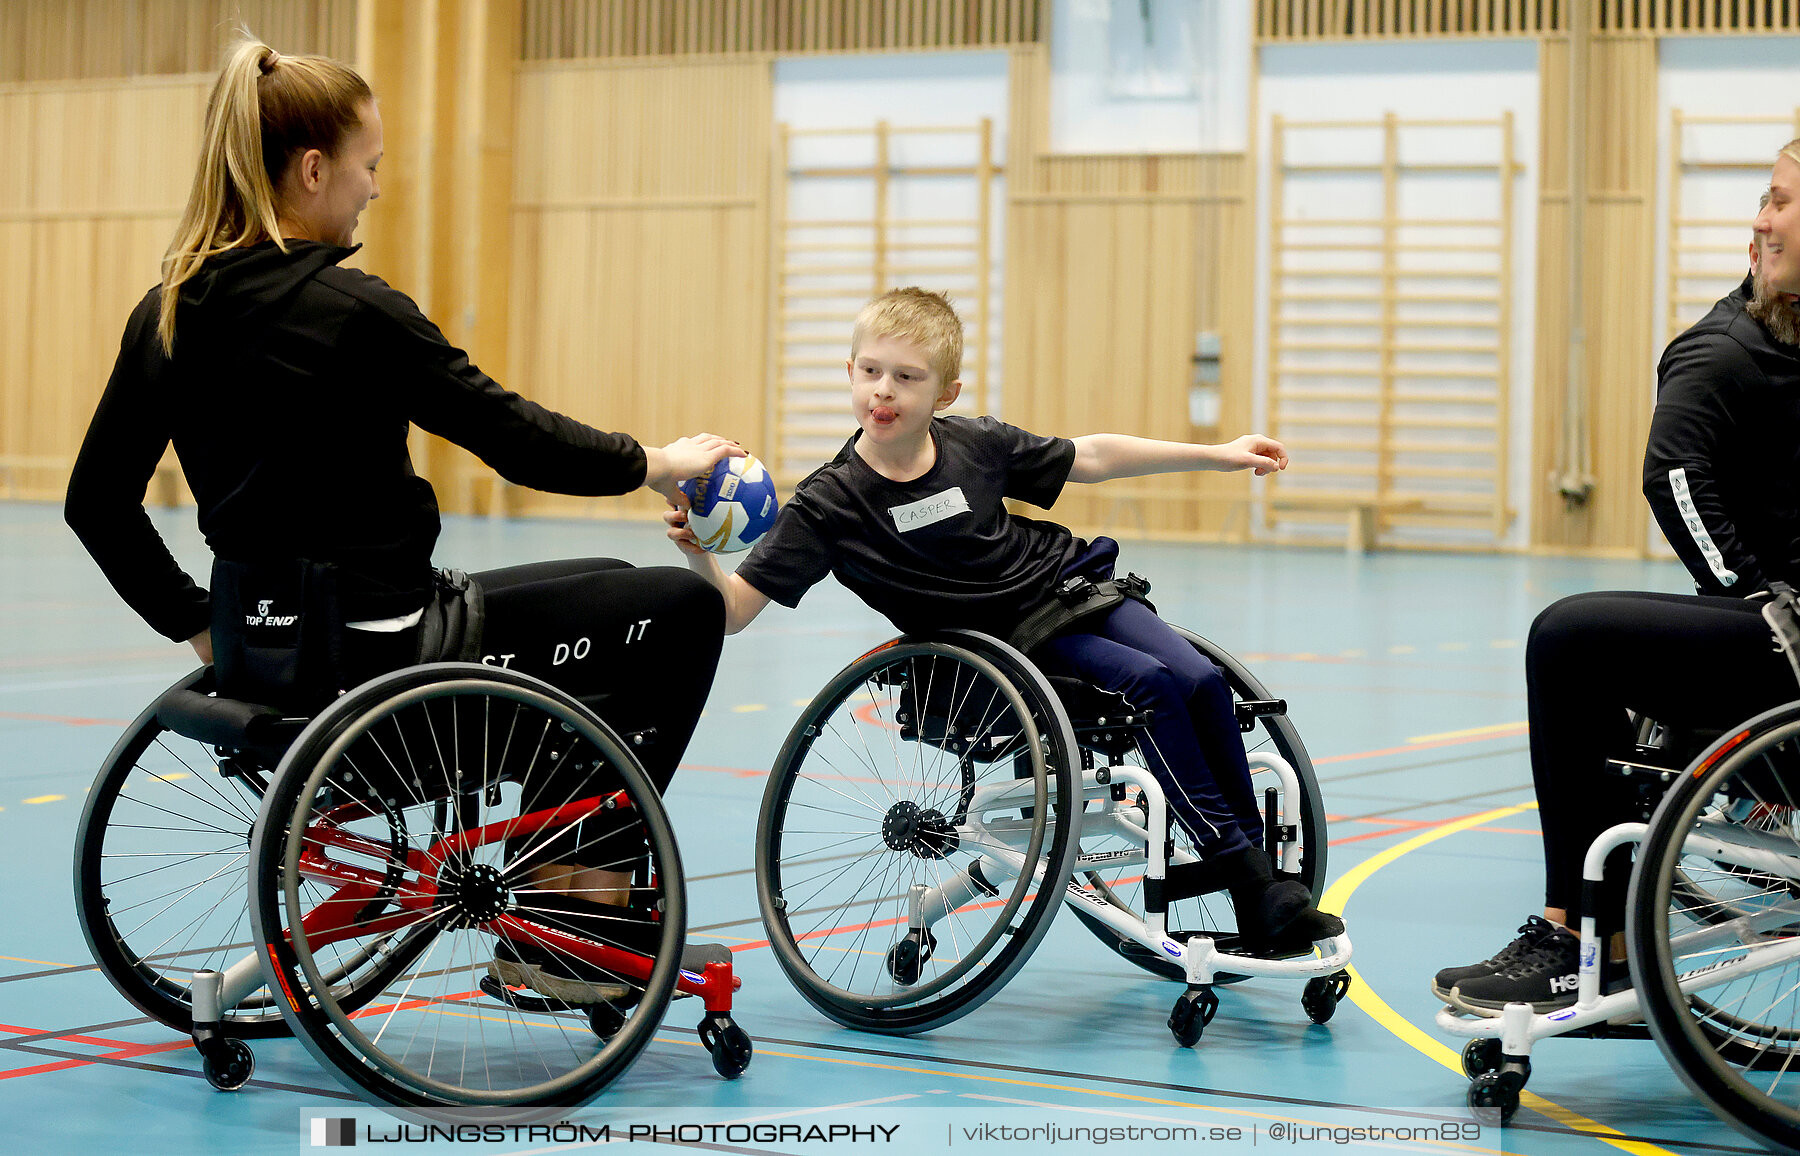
1712, 926
349, 878
941, 797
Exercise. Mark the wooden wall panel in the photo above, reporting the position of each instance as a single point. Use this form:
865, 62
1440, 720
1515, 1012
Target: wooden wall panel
93, 39
1278, 21
592, 29
84, 220
1617, 291
1114, 263
639, 292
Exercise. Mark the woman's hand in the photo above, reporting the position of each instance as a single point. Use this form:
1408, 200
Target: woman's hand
202, 644
666, 468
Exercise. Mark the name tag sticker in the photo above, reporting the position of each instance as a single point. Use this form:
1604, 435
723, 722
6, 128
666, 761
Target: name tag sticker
933, 509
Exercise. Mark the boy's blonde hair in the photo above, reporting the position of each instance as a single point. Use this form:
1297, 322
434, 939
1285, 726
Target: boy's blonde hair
918, 316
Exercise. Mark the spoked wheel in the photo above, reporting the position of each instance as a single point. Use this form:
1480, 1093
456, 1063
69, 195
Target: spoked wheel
916, 832
162, 869
1304, 846
1713, 899
458, 807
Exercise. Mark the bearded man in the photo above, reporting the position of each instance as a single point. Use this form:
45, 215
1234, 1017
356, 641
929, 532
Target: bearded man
1722, 473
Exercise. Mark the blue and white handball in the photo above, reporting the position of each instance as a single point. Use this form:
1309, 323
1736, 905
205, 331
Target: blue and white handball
733, 506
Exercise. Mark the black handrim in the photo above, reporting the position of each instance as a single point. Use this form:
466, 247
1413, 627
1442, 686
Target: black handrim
984, 963
1692, 1031
365, 1052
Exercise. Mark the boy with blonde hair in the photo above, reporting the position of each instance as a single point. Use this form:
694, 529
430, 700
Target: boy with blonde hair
911, 517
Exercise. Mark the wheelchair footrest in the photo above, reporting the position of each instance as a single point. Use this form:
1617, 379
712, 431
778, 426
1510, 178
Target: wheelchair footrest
1606, 1031
1232, 943
540, 1003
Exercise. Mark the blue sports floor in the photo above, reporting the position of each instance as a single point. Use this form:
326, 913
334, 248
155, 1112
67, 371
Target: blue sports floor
1404, 674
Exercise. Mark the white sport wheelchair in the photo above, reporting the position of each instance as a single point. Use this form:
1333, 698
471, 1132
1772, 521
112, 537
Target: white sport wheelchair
350, 878
941, 797
1712, 931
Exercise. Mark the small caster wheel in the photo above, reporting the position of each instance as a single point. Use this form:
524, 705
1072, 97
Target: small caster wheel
1481, 1055
605, 1019
729, 1045
1190, 1015
907, 958
1494, 1096
1323, 994
227, 1064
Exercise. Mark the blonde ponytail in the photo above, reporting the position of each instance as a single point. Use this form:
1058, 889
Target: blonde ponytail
265, 108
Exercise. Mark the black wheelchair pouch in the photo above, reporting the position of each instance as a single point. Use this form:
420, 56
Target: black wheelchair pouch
1076, 600
279, 636
277, 631
450, 629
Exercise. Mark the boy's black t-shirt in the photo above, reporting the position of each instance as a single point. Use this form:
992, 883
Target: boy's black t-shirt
939, 551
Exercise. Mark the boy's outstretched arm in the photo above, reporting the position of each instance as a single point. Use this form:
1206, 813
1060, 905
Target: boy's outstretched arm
743, 602
1102, 457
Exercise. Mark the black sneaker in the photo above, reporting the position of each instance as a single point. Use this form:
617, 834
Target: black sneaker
1531, 934
553, 974
1545, 975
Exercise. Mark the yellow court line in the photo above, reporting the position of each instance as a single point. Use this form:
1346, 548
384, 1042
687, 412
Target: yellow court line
43, 962
1496, 730
1364, 997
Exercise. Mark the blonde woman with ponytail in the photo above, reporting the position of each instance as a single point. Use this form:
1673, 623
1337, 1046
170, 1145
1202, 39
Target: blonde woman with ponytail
287, 384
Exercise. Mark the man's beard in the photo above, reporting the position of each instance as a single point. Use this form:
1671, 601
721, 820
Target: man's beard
1779, 315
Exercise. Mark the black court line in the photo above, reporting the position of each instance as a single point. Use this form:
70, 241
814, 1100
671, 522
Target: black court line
93, 1029
71, 970
165, 1069
1487, 798
1253, 1097
983, 1065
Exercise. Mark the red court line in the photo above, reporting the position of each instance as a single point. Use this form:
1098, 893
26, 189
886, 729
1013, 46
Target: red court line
1510, 733
41, 1068
100, 658
120, 1051
65, 720
125, 1051
736, 772
1390, 827
92, 1041
1421, 826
